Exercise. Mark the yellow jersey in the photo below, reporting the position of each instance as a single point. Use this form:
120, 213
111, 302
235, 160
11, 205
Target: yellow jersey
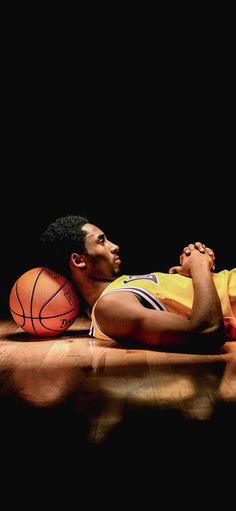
172, 293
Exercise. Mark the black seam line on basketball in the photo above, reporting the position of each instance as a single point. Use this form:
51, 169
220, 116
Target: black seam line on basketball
23, 312
39, 317
31, 301
44, 305
51, 330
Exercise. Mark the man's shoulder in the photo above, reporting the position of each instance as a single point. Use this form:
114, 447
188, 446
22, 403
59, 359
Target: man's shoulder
113, 298
116, 314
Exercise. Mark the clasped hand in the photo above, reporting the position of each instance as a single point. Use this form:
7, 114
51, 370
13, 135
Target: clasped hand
190, 249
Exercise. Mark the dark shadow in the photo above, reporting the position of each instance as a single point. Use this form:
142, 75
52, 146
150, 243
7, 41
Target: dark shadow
25, 337
189, 349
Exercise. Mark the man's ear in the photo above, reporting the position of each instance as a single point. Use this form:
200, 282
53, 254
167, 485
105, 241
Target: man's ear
77, 260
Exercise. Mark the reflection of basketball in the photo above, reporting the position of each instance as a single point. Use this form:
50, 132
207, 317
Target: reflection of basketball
43, 302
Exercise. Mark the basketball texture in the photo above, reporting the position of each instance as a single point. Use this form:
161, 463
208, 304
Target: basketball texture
43, 303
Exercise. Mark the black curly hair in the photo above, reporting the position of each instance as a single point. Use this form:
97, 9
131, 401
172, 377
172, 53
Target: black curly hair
60, 239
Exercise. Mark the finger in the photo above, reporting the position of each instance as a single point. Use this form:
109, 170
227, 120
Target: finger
200, 246
210, 252
187, 250
175, 269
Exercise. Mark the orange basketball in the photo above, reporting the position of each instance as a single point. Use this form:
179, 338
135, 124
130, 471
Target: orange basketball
43, 302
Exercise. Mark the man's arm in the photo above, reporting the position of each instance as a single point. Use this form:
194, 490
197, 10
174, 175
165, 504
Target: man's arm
122, 316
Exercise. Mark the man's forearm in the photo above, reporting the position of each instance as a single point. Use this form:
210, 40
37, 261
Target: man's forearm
206, 310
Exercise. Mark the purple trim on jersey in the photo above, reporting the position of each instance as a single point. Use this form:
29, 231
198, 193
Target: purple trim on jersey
91, 331
154, 302
147, 276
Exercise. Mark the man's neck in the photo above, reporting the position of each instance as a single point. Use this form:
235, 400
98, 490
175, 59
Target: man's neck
90, 290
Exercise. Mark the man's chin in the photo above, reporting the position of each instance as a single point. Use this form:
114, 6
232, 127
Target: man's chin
116, 272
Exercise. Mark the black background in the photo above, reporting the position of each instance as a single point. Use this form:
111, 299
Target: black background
139, 141
149, 202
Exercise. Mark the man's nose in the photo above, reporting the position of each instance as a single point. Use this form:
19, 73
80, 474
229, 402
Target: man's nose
114, 248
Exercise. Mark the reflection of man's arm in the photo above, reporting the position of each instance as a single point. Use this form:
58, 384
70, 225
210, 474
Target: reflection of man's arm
227, 388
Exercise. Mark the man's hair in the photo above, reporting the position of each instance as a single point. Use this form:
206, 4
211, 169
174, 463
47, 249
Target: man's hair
60, 239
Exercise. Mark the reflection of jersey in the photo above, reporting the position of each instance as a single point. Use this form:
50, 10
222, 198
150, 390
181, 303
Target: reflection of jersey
174, 293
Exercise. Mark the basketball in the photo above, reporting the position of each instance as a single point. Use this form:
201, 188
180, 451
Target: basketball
43, 302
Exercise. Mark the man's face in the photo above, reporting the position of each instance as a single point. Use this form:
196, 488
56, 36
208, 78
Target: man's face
101, 254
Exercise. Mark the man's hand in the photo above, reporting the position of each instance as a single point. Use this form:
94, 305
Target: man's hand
184, 269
